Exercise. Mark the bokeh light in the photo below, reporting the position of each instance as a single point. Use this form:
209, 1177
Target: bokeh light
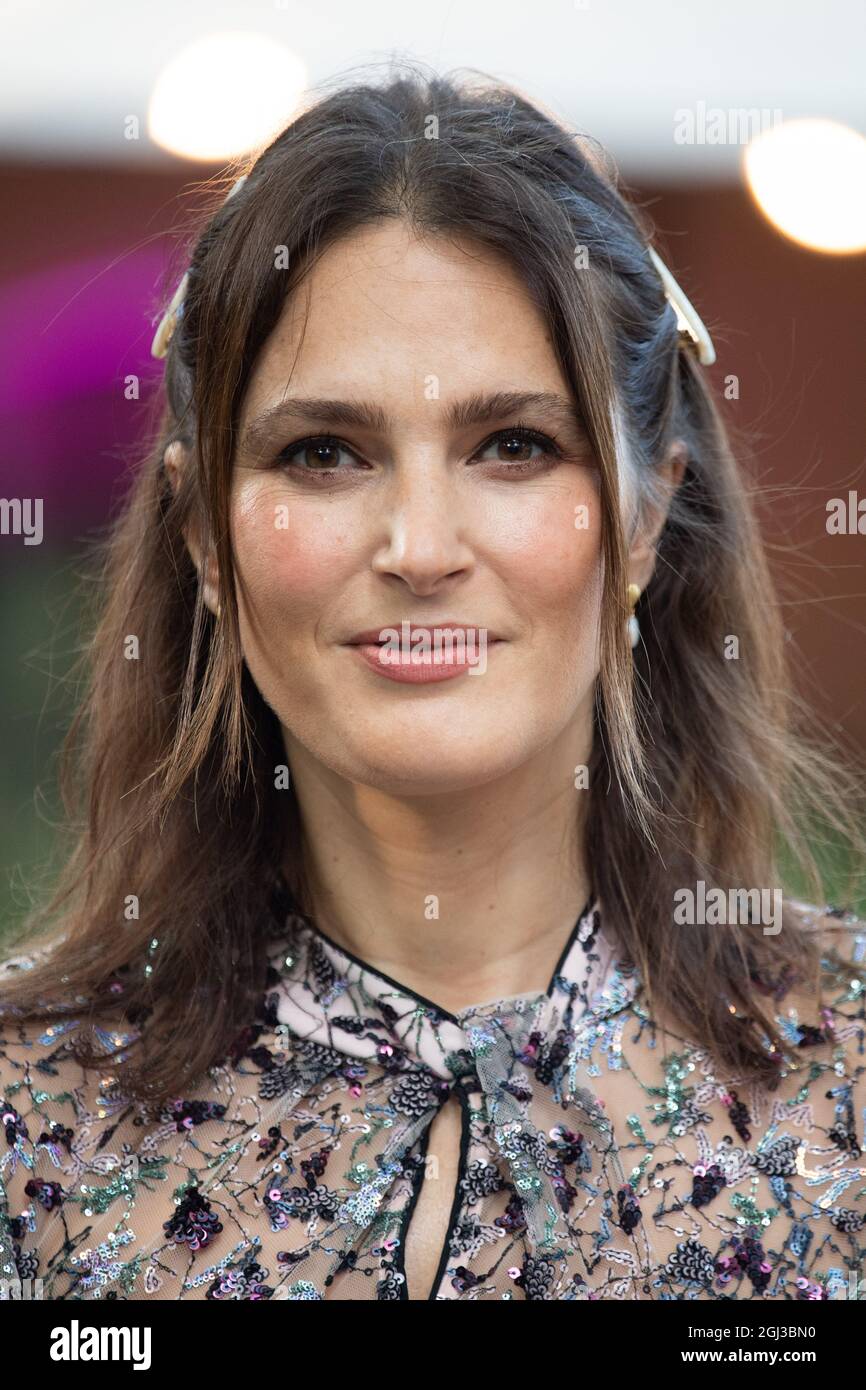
225, 94
808, 177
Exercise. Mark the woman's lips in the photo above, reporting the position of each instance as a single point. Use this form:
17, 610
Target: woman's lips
441, 662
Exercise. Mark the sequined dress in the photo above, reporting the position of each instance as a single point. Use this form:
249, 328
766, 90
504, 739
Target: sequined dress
601, 1157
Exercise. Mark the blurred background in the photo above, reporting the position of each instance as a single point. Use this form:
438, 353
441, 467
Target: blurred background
739, 128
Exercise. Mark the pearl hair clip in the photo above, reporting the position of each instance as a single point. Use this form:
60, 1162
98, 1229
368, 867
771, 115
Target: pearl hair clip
688, 319
162, 336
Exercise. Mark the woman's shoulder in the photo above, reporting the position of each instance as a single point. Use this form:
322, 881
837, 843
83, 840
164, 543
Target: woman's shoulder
827, 922
14, 966
826, 1030
821, 1023
840, 938
33, 1041
40, 1109
52, 1109
42, 1083
824, 1025
772, 1165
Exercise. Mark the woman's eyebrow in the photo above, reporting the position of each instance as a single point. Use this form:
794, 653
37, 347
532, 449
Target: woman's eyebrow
479, 409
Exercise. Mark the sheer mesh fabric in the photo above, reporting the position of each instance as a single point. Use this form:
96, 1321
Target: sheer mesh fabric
601, 1157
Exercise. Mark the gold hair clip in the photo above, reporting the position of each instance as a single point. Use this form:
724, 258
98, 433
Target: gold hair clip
168, 322
162, 336
688, 319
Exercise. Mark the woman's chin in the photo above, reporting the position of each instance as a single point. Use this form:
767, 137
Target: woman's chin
424, 767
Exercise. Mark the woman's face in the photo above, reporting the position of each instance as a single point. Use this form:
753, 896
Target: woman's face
414, 501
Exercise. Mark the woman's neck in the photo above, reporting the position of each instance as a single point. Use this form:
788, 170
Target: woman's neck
461, 896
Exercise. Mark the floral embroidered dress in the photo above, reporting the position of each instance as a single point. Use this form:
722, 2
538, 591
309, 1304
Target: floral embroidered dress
601, 1158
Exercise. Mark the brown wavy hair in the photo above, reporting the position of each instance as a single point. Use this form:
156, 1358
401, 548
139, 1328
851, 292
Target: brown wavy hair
700, 768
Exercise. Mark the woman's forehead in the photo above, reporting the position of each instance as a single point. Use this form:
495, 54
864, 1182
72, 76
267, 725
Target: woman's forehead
386, 314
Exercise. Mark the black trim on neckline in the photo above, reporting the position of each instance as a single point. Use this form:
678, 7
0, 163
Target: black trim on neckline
294, 908
566, 950
380, 974
457, 1200
417, 1179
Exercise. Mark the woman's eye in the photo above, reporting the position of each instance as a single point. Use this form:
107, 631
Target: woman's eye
315, 455
520, 449
518, 446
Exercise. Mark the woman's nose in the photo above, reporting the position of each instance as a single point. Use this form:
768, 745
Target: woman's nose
423, 529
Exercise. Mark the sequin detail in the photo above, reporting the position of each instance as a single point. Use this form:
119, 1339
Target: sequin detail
601, 1158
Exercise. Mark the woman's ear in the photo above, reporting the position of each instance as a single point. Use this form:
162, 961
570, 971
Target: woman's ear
176, 459
642, 553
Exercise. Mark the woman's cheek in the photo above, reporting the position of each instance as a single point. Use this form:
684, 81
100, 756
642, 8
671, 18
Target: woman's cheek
551, 546
288, 551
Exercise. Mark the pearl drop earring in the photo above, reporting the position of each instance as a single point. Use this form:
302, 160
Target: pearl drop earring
634, 593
